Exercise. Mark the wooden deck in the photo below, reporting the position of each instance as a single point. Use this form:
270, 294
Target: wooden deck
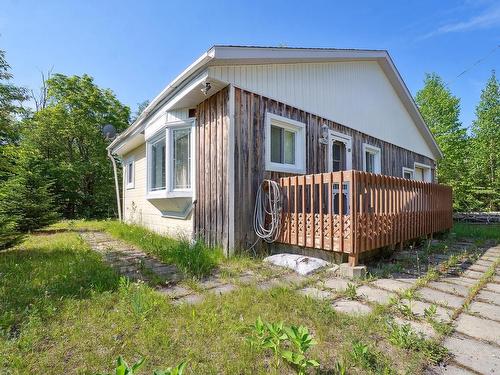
371, 211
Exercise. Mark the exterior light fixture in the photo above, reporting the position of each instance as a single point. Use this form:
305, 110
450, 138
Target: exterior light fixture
325, 135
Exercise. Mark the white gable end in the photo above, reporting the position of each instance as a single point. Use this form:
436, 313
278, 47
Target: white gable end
356, 94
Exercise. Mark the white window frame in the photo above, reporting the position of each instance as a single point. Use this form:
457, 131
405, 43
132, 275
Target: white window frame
130, 161
427, 171
167, 132
299, 128
408, 170
377, 159
347, 141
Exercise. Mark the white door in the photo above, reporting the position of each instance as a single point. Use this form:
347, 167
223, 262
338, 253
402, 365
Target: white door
339, 152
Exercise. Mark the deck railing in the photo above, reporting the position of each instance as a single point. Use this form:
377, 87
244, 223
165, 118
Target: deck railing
353, 211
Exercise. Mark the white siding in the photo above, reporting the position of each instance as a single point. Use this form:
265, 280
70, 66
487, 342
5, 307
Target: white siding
355, 94
138, 210
161, 118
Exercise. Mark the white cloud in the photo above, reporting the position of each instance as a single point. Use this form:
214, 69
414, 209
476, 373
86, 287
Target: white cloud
488, 19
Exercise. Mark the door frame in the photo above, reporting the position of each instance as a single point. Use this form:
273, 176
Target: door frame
347, 141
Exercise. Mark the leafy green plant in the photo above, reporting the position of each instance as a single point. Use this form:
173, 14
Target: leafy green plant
405, 309
351, 291
430, 312
403, 336
340, 368
362, 355
177, 370
123, 368
290, 343
302, 341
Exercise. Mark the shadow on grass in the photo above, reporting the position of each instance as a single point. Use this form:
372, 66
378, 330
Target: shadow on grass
37, 279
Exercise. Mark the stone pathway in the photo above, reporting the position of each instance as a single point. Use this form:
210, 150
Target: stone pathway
474, 344
133, 263
129, 261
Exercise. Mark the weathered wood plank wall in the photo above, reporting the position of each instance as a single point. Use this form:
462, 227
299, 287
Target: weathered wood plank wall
211, 211
250, 112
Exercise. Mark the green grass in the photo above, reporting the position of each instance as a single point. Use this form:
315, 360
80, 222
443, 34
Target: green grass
64, 311
476, 231
194, 259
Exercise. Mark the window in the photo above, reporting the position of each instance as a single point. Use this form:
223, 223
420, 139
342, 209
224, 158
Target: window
170, 161
129, 173
371, 159
407, 173
285, 144
181, 158
157, 166
338, 156
422, 172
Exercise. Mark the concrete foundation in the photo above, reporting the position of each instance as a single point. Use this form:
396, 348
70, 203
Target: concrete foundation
350, 272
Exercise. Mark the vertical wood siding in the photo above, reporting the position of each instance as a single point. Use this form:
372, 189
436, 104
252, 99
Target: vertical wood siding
212, 208
249, 126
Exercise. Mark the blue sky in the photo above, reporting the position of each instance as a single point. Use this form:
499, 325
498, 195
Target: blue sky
136, 47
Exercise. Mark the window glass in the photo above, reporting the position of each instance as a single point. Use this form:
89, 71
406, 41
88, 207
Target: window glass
282, 145
289, 149
130, 173
408, 175
182, 159
276, 144
158, 178
370, 162
338, 156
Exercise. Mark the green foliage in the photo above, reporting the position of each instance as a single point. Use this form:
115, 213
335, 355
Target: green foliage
123, 368
404, 337
441, 110
63, 141
290, 343
478, 231
485, 146
177, 370
9, 235
11, 98
430, 312
351, 291
195, 259
27, 199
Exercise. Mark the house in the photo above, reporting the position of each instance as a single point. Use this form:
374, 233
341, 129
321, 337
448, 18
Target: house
194, 159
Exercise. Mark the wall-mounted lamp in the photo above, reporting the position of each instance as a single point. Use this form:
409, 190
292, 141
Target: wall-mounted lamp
206, 89
325, 135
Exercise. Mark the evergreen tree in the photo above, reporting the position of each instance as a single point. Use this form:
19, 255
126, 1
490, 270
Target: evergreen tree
441, 110
27, 200
486, 147
11, 98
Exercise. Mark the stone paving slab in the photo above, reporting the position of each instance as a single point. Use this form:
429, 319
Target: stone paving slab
315, 293
478, 268
351, 307
472, 274
191, 299
460, 290
485, 310
490, 297
418, 308
336, 284
476, 355
391, 285
450, 369
375, 295
479, 328
459, 280
440, 298
492, 287
422, 328
409, 279
483, 262
222, 289
175, 291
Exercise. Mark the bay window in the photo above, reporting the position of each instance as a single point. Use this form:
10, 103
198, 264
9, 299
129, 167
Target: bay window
170, 161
